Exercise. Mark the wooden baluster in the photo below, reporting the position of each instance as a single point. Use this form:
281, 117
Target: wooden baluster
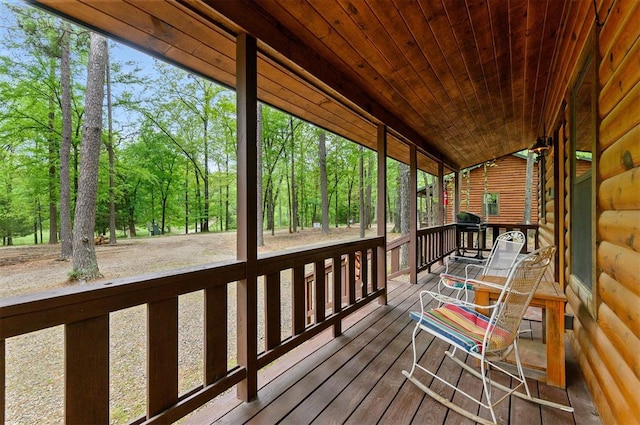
272, 310
351, 281
328, 268
374, 268
299, 311
215, 333
395, 260
162, 355
364, 272
337, 293
309, 309
319, 290
87, 371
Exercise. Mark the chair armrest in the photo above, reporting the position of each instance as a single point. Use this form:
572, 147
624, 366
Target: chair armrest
446, 299
478, 282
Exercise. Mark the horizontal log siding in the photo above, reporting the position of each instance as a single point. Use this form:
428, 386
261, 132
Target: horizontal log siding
507, 178
607, 346
546, 222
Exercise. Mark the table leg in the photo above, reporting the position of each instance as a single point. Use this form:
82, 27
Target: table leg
482, 298
555, 343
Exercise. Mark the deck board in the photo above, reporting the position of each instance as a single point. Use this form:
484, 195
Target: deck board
356, 378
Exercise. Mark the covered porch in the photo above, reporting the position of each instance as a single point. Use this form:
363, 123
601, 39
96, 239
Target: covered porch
357, 377
445, 86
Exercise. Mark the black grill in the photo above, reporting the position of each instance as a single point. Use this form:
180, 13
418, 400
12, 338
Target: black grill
470, 223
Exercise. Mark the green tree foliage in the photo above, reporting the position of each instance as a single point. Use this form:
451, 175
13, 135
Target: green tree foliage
173, 147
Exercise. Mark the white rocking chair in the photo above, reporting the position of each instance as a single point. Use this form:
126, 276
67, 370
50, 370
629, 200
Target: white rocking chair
489, 339
504, 254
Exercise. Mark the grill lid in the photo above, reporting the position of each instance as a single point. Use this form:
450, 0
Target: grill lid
469, 218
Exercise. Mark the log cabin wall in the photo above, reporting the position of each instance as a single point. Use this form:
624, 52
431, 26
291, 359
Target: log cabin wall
506, 177
606, 331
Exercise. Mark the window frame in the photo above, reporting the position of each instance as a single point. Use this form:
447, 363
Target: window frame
587, 292
486, 205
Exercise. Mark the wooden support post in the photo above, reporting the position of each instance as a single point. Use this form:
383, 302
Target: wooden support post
381, 212
413, 214
87, 371
247, 104
559, 210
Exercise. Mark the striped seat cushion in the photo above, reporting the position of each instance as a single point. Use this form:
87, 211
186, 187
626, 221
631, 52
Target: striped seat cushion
462, 325
454, 281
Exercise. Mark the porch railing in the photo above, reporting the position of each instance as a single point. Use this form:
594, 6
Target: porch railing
437, 242
85, 311
433, 245
495, 229
315, 304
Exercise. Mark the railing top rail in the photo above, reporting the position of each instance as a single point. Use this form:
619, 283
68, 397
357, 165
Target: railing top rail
425, 230
398, 242
514, 225
28, 313
294, 257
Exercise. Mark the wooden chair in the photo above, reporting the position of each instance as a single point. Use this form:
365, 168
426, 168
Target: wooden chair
490, 339
503, 255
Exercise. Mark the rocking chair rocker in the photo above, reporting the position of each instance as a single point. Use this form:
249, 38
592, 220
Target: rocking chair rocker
490, 339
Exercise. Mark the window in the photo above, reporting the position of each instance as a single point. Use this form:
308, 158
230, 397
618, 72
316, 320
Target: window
583, 133
491, 204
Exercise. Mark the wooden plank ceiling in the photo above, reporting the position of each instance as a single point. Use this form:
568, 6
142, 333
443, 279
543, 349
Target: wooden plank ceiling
465, 81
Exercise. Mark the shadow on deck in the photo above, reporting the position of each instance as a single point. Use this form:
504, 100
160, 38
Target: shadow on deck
356, 378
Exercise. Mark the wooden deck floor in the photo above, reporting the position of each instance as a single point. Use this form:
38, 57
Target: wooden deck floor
357, 379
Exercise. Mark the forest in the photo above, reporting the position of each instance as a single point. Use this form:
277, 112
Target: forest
167, 147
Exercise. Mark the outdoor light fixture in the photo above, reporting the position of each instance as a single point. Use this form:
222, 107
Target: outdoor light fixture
541, 145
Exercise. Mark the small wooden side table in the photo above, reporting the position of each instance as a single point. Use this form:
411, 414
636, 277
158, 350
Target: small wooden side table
550, 363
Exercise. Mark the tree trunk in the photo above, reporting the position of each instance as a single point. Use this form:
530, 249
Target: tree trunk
66, 245
294, 197
405, 204
198, 203
260, 215
528, 189
485, 192
322, 152
186, 199
112, 160
85, 262
368, 192
397, 218
53, 153
349, 196
270, 206
227, 213
205, 177
336, 200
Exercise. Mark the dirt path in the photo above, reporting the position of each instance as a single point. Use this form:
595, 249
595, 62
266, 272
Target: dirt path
28, 269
